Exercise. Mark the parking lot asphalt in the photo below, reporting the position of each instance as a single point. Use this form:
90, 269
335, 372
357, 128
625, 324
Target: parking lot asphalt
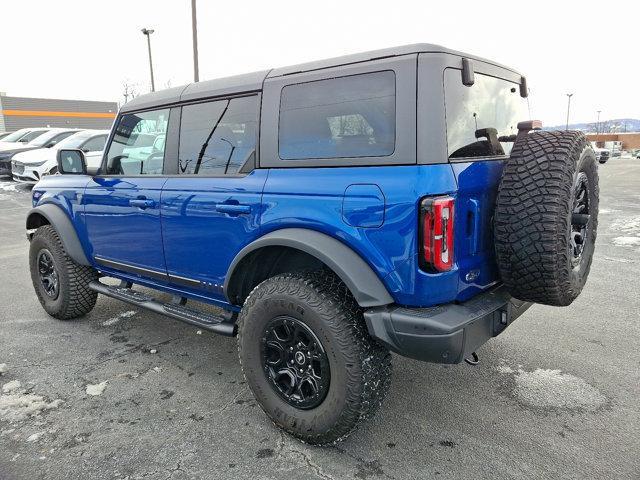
556, 396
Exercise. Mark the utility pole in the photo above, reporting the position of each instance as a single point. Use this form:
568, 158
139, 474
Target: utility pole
194, 28
598, 124
148, 33
569, 95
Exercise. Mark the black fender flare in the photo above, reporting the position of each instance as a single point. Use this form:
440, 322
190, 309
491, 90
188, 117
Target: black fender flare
362, 281
58, 219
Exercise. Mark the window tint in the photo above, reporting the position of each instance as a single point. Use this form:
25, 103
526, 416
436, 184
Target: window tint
15, 136
32, 135
339, 118
137, 147
59, 138
480, 116
217, 138
75, 140
49, 138
95, 144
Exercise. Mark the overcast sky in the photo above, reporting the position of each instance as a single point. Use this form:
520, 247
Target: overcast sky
86, 49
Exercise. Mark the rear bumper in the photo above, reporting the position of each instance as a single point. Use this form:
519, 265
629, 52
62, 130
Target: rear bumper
445, 333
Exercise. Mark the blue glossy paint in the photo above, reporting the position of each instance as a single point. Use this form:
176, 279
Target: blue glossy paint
474, 248
119, 226
66, 192
206, 222
363, 206
312, 198
193, 227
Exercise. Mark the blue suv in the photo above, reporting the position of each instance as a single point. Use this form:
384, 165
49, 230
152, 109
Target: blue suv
335, 211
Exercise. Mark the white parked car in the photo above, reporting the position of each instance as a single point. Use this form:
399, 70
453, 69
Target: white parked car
29, 167
24, 135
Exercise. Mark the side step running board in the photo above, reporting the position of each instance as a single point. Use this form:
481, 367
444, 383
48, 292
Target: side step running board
224, 325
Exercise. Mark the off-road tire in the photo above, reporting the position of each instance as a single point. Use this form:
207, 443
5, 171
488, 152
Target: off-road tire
74, 298
533, 217
360, 366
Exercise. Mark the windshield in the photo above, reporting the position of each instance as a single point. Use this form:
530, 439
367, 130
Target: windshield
74, 141
480, 118
32, 135
15, 136
46, 138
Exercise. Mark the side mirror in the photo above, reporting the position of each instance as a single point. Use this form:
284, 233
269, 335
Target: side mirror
71, 162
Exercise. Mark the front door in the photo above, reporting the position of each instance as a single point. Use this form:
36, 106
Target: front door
211, 209
122, 206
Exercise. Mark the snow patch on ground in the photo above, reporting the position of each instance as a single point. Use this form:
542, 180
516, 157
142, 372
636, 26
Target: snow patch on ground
114, 320
504, 369
97, 389
627, 241
17, 405
35, 437
8, 186
630, 228
10, 386
607, 210
554, 389
620, 260
627, 225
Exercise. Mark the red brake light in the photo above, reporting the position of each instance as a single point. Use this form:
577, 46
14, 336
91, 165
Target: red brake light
437, 233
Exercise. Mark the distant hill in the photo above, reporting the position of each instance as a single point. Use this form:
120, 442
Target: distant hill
618, 125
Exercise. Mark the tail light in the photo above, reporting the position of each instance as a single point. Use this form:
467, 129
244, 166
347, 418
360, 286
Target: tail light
436, 217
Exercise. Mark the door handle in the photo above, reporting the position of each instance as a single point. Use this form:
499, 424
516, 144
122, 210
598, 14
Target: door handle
233, 209
474, 210
142, 203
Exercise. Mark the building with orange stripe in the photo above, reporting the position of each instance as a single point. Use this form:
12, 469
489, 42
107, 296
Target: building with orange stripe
24, 112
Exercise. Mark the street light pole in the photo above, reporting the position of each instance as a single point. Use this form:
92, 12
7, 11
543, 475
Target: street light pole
148, 33
598, 124
194, 28
569, 95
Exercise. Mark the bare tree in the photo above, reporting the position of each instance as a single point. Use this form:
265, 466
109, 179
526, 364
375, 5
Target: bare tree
129, 90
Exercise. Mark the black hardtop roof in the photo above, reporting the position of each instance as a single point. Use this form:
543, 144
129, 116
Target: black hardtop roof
253, 81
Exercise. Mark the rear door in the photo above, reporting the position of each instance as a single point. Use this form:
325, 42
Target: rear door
211, 208
122, 206
479, 120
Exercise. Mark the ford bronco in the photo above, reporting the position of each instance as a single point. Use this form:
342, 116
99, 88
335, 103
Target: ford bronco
336, 211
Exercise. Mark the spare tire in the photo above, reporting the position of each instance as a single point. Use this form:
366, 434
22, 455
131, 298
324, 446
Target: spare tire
546, 217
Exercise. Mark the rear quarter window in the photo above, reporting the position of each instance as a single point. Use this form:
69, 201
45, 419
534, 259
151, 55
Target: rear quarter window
480, 116
344, 117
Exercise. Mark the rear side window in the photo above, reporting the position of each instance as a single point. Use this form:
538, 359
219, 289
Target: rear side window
482, 117
218, 138
345, 117
138, 143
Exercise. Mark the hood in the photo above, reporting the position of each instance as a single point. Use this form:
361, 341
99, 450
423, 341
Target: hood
37, 155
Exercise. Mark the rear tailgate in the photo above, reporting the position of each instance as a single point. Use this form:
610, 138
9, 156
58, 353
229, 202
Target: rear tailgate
481, 123
475, 202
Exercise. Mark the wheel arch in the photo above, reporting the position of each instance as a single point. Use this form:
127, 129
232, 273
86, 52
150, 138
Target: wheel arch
50, 214
304, 247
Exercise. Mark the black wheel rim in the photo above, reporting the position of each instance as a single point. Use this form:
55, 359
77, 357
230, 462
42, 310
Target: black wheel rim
295, 362
47, 273
580, 218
